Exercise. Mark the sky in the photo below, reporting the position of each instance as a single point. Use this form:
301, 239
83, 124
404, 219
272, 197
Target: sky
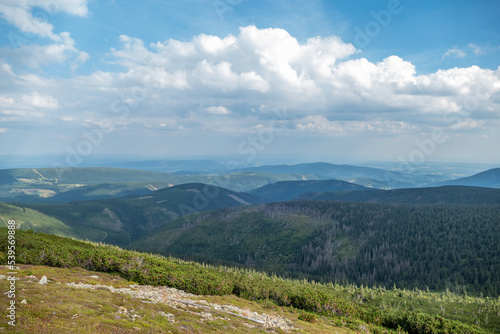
341, 81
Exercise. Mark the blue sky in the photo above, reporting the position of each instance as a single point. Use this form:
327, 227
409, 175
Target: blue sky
347, 81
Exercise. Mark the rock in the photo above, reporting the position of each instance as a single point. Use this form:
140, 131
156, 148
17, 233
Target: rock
43, 280
31, 278
24, 301
170, 317
94, 276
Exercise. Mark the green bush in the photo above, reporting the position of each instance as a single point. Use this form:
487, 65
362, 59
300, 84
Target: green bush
420, 323
307, 317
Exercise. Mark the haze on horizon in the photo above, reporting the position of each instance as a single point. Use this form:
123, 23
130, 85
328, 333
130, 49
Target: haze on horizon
371, 80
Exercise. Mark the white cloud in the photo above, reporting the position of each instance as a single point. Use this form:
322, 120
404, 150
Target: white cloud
32, 17
3, 130
25, 107
477, 49
36, 56
218, 110
19, 13
319, 123
37, 100
455, 52
180, 85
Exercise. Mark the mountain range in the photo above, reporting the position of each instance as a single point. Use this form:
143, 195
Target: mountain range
293, 220
432, 195
489, 178
122, 220
433, 245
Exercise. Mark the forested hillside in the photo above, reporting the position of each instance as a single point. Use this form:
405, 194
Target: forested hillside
288, 190
446, 194
434, 246
122, 220
489, 178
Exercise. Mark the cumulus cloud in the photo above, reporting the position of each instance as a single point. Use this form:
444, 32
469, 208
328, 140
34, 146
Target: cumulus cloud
20, 14
25, 107
33, 18
36, 56
238, 83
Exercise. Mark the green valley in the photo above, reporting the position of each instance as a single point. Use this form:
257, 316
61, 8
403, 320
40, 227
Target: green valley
424, 246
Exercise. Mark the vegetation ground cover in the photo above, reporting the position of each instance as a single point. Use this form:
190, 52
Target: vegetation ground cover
377, 309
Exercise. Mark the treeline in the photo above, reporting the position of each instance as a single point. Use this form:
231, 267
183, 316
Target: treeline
430, 246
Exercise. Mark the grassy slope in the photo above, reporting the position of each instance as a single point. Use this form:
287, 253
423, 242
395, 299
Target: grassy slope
27, 218
56, 307
377, 310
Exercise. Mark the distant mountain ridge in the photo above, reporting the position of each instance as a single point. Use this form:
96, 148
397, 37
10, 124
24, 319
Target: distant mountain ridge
288, 190
322, 168
432, 195
60, 184
489, 178
366, 175
122, 220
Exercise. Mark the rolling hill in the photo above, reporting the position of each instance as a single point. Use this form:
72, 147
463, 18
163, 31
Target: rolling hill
365, 175
27, 218
122, 220
104, 191
433, 195
48, 185
323, 169
288, 190
489, 178
173, 166
436, 246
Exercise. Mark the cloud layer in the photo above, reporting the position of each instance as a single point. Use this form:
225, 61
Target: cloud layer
236, 83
